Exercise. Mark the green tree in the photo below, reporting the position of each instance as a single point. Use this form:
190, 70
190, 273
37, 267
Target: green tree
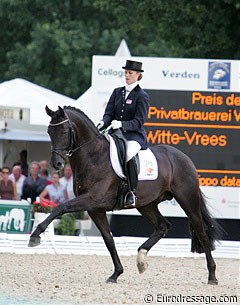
197, 28
52, 42
59, 40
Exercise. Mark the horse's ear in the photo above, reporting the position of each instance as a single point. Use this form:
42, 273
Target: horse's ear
61, 111
49, 111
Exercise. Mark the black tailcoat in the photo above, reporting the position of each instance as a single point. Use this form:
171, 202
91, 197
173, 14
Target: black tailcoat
132, 111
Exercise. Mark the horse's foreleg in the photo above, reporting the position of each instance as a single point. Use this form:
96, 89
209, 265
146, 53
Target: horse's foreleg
75, 205
161, 227
35, 236
100, 219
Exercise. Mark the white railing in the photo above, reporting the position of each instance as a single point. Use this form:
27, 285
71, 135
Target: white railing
126, 246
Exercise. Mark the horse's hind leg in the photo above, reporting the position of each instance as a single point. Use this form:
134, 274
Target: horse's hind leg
200, 236
161, 227
101, 222
198, 226
196, 221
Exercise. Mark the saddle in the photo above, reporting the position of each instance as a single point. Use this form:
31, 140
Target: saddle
146, 166
123, 187
121, 145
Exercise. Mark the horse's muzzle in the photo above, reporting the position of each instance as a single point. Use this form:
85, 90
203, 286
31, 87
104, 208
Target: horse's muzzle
57, 165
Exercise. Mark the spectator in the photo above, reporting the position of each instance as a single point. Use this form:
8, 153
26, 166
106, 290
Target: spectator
33, 185
17, 177
7, 186
23, 162
56, 191
67, 181
43, 164
44, 174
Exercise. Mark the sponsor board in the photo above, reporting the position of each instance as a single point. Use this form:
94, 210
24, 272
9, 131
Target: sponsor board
168, 73
14, 216
194, 106
219, 75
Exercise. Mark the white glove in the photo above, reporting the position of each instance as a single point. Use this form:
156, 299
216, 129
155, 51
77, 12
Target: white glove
100, 124
116, 124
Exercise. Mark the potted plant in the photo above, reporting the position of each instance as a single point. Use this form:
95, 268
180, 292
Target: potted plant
43, 205
67, 225
41, 209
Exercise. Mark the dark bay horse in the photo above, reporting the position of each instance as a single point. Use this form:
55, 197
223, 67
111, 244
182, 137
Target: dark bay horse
74, 136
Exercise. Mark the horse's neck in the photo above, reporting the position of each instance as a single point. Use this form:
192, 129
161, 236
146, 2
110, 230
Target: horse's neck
84, 130
90, 161
92, 149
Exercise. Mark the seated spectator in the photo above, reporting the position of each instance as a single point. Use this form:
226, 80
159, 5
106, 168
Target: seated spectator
7, 186
56, 191
67, 181
44, 174
43, 164
17, 177
33, 185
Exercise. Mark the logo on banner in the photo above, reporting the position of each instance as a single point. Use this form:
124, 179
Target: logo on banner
219, 75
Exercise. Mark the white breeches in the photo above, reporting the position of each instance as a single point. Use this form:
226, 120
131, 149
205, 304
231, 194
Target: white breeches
133, 148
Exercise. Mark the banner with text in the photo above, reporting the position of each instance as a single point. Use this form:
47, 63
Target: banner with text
194, 106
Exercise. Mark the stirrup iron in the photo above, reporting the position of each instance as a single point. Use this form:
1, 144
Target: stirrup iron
134, 199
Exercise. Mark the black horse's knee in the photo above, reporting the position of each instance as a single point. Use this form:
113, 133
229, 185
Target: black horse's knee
163, 229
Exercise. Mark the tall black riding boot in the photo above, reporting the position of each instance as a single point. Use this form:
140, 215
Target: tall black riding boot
132, 177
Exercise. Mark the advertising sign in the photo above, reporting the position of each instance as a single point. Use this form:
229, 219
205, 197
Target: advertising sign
219, 75
14, 216
205, 126
168, 74
194, 106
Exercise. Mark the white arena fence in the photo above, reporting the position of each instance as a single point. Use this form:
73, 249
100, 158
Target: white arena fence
94, 245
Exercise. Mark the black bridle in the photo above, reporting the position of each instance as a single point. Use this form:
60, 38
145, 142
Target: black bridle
71, 145
71, 140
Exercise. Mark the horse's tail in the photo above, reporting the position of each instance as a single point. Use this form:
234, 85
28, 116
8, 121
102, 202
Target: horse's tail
213, 229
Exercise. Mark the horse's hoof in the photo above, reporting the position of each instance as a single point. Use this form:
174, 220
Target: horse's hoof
111, 280
142, 267
34, 241
213, 282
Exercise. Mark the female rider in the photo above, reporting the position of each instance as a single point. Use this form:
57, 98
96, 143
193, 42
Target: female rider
128, 109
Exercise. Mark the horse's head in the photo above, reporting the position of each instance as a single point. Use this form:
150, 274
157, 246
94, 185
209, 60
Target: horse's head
70, 130
60, 133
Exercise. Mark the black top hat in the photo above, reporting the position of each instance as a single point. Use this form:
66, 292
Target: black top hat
133, 65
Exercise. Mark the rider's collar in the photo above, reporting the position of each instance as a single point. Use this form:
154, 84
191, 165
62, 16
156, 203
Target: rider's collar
129, 88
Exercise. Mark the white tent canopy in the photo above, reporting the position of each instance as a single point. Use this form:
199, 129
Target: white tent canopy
123, 49
22, 93
24, 135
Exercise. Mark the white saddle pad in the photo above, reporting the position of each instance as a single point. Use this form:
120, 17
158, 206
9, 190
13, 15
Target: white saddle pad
148, 163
